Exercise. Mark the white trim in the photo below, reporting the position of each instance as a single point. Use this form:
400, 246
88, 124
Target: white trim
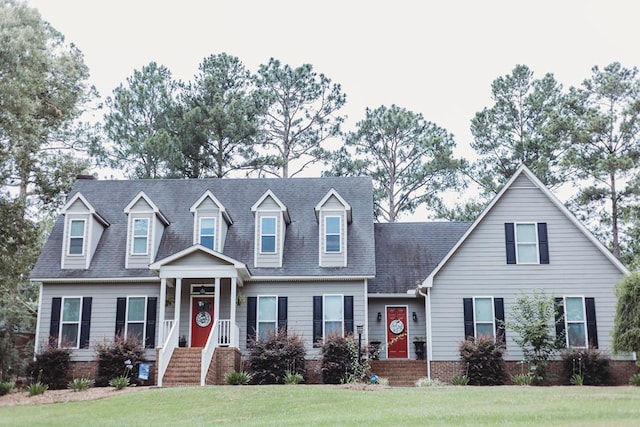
493, 316
89, 206
197, 238
306, 278
428, 281
209, 194
95, 279
537, 242
319, 207
326, 234
324, 307
283, 209
584, 321
154, 208
84, 237
275, 235
406, 329
62, 322
133, 236
144, 322
275, 320
38, 321
394, 296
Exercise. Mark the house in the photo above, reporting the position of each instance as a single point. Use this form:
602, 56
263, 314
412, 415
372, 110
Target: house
219, 262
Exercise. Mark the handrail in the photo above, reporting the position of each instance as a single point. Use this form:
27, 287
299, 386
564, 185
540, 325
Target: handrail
207, 352
165, 353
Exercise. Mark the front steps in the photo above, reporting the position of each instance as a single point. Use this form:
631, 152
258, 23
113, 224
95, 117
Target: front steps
400, 373
184, 367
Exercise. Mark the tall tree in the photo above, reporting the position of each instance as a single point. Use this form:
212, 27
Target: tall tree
605, 148
221, 120
303, 112
409, 159
528, 123
139, 124
626, 327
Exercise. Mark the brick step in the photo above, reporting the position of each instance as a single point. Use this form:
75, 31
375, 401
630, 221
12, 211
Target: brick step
184, 367
400, 373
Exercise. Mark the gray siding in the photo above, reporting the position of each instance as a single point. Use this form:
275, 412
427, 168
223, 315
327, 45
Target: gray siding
269, 259
103, 311
479, 268
377, 330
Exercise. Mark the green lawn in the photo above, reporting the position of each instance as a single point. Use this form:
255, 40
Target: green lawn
334, 405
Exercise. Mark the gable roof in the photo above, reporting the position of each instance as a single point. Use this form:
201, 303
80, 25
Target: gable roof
523, 170
174, 197
406, 252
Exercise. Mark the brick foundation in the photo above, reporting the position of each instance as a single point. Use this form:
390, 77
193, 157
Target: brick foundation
224, 361
90, 370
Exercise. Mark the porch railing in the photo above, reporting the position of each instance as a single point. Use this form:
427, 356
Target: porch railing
220, 335
168, 324
165, 353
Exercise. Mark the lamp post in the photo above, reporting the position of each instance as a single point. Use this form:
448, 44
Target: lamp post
359, 328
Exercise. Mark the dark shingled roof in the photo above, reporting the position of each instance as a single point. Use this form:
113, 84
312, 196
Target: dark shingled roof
407, 252
174, 197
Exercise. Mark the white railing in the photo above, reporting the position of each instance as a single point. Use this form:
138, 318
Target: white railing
165, 353
168, 324
224, 332
220, 335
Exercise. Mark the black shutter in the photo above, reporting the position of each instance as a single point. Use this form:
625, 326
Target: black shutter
282, 315
54, 326
498, 307
150, 327
468, 318
252, 306
348, 315
317, 321
543, 243
592, 330
121, 307
560, 328
85, 323
510, 241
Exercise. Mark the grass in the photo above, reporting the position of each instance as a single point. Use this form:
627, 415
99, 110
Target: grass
335, 405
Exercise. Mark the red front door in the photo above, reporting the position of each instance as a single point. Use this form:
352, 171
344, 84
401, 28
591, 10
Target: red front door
397, 344
201, 320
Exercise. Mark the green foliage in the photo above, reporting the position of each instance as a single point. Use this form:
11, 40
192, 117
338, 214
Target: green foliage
119, 382
587, 365
272, 358
51, 367
237, 378
635, 380
293, 378
409, 159
113, 357
37, 388
302, 113
426, 382
522, 379
460, 380
340, 360
626, 328
80, 384
483, 362
531, 316
5, 388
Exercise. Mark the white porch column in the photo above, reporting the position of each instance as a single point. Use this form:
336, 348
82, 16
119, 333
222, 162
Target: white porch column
163, 303
176, 320
232, 310
216, 300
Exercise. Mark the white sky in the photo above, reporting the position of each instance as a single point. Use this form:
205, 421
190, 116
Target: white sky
437, 58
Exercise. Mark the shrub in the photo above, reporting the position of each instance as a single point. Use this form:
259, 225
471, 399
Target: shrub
79, 384
460, 380
37, 388
51, 367
237, 378
340, 360
635, 380
522, 379
112, 358
272, 358
119, 382
426, 382
586, 366
292, 378
5, 388
483, 361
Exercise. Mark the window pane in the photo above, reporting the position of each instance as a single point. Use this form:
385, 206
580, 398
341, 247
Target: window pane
268, 244
71, 310
484, 330
526, 233
140, 227
136, 330
484, 310
207, 226
207, 241
75, 245
267, 309
268, 226
331, 328
135, 311
333, 225
69, 336
333, 307
527, 253
333, 243
576, 335
140, 245
265, 329
574, 309
77, 228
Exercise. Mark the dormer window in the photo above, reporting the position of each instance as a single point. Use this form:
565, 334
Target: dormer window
140, 236
208, 232
76, 237
268, 235
333, 234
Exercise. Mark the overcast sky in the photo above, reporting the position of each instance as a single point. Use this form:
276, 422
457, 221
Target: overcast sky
437, 58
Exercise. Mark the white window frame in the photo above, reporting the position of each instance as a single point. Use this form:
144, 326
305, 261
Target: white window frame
134, 236
583, 321
484, 322
327, 234
274, 235
259, 321
71, 236
200, 235
537, 244
324, 317
144, 316
63, 322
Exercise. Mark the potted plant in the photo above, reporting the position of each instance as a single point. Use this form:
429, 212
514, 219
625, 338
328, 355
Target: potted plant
420, 343
182, 342
374, 349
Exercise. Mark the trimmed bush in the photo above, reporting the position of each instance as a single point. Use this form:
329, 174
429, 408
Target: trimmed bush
483, 362
271, 359
237, 378
340, 360
51, 367
113, 357
5, 388
37, 388
586, 366
80, 384
119, 382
